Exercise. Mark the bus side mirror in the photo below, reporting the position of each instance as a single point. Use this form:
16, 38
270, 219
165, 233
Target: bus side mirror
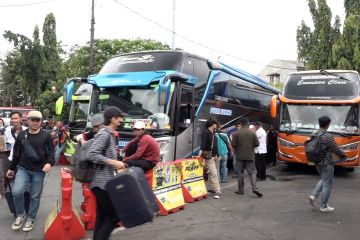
68, 91
273, 106
164, 91
59, 105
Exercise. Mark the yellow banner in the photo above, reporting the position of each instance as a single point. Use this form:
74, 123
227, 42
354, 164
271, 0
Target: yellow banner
165, 176
51, 217
193, 179
167, 185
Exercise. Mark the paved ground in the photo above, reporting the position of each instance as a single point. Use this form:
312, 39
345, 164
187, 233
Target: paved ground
283, 212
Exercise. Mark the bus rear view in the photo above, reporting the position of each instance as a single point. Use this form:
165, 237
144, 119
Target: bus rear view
309, 95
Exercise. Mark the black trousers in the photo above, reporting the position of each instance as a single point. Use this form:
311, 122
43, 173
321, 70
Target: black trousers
144, 164
106, 219
260, 164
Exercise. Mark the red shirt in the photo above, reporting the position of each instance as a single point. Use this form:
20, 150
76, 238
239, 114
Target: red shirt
148, 149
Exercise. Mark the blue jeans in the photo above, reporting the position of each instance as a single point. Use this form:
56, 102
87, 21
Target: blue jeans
234, 165
325, 183
222, 169
59, 148
25, 178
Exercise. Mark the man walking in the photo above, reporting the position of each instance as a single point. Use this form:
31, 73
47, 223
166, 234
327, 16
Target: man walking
325, 166
224, 148
209, 152
33, 157
234, 130
260, 152
244, 141
103, 154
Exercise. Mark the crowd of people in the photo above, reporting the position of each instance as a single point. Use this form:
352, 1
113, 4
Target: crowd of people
28, 153
251, 148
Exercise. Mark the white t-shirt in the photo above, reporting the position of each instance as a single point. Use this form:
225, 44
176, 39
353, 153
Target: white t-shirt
261, 135
11, 140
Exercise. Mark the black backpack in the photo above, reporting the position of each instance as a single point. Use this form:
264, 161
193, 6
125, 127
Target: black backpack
313, 148
84, 170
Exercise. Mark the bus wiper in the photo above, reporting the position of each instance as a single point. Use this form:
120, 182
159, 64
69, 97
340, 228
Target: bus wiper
289, 131
324, 72
342, 134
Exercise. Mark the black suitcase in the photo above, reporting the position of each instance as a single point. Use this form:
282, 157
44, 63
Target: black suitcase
133, 200
10, 200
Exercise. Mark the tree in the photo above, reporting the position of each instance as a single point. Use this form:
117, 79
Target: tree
325, 46
27, 62
315, 47
52, 61
77, 64
11, 93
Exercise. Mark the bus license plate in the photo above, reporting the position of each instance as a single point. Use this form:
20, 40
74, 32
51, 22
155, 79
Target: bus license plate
311, 164
122, 144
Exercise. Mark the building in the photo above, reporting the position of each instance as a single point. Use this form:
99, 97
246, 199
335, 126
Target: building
277, 71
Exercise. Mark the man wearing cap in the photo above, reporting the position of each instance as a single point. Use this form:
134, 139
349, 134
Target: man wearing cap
147, 154
97, 122
33, 158
103, 153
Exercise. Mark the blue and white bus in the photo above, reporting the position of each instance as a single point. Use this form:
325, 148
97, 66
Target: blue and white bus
173, 92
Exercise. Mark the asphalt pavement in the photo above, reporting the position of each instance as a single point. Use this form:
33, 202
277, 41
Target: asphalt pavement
282, 213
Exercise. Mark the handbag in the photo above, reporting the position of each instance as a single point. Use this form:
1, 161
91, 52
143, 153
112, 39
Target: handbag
208, 154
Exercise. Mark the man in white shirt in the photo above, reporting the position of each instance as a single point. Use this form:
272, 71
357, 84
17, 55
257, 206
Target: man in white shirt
11, 133
260, 152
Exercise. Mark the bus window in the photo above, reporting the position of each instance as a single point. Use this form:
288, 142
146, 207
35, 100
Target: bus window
185, 108
201, 70
188, 68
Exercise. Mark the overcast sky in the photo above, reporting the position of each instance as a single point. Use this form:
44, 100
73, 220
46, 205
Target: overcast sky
246, 33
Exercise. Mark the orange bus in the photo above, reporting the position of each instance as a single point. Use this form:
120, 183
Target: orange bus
306, 96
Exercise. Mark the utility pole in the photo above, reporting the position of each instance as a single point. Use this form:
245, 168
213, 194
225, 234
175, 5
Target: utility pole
173, 27
91, 61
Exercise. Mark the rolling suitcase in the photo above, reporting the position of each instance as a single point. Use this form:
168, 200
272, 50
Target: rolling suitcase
133, 200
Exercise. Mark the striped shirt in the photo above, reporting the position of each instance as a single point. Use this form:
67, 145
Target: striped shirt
103, 148
328, 146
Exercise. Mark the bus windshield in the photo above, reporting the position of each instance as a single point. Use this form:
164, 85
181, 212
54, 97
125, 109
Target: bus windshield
81, 109
140, 62
138, 104
304, 118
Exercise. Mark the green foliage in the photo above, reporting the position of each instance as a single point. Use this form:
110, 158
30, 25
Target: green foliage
279, 85
326, 47
78, 61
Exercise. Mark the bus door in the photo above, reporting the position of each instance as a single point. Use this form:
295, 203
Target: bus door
184, 121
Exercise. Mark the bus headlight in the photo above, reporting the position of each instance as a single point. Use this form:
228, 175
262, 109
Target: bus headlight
162, 144
286, 143
350, 146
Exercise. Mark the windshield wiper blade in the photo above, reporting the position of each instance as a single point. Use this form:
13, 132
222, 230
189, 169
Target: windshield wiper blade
324, 72
289, 131
341, 133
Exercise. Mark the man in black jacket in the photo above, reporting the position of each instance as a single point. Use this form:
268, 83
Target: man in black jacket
33, 158
210, 154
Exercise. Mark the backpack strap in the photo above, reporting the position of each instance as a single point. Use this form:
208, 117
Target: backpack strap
13, 133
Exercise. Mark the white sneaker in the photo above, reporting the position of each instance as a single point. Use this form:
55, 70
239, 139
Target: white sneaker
327, 209
28, 226
217, 195
18, 223
312, 200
